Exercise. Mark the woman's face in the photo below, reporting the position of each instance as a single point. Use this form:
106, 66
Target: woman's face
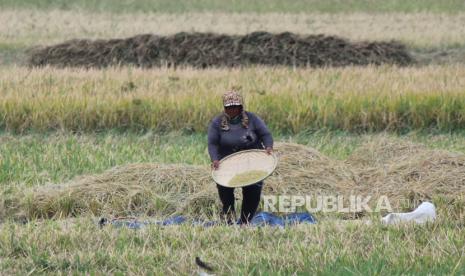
233, 111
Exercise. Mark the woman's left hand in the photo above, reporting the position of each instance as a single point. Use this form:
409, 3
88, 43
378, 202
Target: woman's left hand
269, 150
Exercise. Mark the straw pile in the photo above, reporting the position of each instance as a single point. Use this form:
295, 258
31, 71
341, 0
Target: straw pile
408, 173
201, 50
150, 189
304, 171
403, 171
159, 189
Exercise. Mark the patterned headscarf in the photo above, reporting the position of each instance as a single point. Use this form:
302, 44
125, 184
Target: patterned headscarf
233, 98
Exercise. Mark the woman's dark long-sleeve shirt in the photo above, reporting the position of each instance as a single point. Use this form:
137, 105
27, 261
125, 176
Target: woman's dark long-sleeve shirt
222, 143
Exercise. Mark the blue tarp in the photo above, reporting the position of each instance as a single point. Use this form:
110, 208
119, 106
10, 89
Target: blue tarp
265, 218
260, 219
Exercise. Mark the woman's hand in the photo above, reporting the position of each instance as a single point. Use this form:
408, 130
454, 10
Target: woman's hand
215, 164
269, 150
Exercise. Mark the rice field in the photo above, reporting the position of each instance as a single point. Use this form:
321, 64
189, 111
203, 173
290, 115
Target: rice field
59, 125
30, 27
37, 159
297, 6
434, 38
290, 101
79, 246
331, 248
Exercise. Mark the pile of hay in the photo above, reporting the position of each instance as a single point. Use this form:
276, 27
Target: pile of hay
304, 171
203, 50
149, 189
404, 172
161, 190
407, 173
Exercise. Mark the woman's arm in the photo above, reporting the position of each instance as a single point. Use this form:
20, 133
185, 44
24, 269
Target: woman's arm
263, 133
213, 140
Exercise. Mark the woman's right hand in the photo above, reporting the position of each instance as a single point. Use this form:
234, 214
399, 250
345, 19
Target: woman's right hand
215, 164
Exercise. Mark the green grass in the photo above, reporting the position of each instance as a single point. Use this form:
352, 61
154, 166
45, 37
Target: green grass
11, 53
331, 247
37, 159
79, 246
295, 6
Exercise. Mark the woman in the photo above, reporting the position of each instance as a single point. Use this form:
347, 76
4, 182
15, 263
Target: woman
233, 131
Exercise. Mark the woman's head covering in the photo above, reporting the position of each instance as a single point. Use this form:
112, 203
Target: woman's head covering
233, 98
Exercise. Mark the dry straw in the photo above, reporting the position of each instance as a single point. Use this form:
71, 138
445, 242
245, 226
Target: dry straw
151, 189
407, 172
303, 170
402, 171
203, 50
